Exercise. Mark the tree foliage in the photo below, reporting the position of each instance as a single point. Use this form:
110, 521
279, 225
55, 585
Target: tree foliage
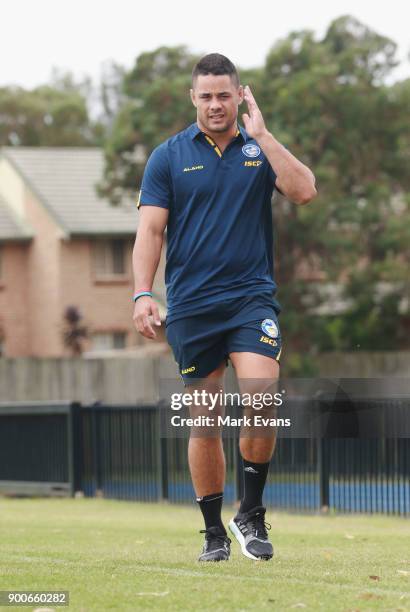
55, 114
329, 102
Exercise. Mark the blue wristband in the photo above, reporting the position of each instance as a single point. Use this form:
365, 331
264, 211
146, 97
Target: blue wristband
141, 294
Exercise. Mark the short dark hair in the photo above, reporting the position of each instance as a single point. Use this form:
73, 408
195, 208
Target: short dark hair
215, 63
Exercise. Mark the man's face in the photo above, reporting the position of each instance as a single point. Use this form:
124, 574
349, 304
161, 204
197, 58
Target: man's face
216, 98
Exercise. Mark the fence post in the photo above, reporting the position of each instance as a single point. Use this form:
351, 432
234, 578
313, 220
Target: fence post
323, 469
163, 466
96, 445
75, 454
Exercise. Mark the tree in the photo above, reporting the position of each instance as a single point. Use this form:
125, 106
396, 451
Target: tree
328, 101
50, 115
111, 94
74, 332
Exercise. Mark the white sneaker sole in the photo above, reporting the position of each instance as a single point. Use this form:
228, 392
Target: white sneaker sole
235, 532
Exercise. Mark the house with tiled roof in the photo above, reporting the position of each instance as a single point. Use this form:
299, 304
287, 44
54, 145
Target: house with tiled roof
63, 246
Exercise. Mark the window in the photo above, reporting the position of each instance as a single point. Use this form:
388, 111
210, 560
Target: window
118, 340
106, 341
109, 258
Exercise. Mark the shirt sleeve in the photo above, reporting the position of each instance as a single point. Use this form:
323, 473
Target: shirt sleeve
156, 182
273, 177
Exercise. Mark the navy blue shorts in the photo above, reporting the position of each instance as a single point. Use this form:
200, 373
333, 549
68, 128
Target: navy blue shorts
202, 342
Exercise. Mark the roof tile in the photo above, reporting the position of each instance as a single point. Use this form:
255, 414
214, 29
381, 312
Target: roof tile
65, 180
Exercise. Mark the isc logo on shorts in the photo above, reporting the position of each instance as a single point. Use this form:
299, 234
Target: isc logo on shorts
267, 340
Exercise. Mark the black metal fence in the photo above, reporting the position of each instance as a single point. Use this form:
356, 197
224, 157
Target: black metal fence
117, 452
38, 448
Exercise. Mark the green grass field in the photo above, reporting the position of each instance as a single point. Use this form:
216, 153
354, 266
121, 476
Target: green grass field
115, 555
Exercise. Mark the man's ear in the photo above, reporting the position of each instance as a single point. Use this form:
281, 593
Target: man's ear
240, 94
192, 94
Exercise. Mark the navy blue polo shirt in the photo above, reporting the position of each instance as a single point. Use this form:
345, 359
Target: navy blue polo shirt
219, 232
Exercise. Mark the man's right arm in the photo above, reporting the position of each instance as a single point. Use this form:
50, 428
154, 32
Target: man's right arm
145, 260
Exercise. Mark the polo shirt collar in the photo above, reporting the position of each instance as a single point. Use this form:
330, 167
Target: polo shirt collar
194, 131
243, 133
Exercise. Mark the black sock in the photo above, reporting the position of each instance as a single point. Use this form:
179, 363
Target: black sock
254, 476
211, 506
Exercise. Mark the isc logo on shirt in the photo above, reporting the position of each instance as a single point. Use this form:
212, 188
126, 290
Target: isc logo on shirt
253, 164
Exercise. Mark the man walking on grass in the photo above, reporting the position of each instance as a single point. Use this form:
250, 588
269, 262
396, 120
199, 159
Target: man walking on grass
211, 186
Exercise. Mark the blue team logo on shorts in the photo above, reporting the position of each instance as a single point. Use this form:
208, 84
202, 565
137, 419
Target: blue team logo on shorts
251, 150
270, 328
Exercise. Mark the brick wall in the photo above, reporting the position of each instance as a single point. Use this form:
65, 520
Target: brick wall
43, 315
14, 303
105, 304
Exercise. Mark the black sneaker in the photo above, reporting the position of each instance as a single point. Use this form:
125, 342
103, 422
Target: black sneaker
250, 529
217, 545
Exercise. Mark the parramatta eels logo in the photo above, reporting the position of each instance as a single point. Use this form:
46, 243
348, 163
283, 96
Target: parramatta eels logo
270, 328
251, 150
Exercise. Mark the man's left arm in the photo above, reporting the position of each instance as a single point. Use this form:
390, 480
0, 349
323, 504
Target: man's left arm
295, 180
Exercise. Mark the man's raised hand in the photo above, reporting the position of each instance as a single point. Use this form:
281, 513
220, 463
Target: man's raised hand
253, 120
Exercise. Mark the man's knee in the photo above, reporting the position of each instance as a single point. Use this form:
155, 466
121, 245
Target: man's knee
206, 406
206, 393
